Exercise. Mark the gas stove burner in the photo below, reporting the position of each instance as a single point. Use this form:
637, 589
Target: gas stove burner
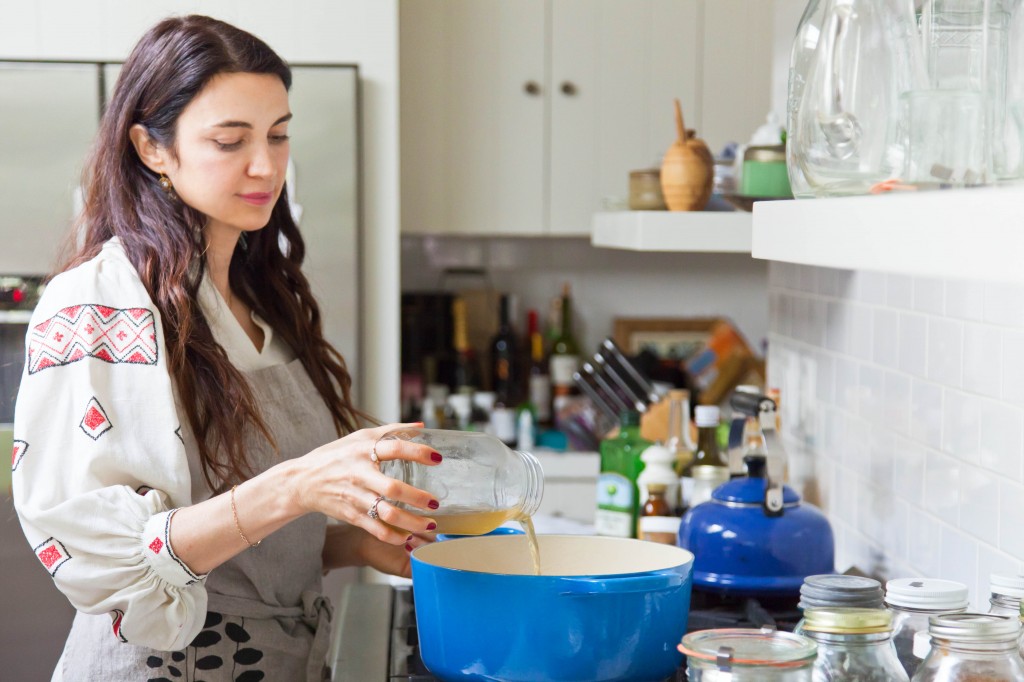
709, 610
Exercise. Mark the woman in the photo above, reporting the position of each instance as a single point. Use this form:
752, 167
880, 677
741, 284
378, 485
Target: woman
170, 465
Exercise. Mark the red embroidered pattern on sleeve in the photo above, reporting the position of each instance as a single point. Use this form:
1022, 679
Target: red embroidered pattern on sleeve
18, 453
114, 335
52, 553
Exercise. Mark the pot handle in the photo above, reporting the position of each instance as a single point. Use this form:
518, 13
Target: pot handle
577, 587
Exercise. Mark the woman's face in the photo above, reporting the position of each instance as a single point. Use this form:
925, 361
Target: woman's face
232, 151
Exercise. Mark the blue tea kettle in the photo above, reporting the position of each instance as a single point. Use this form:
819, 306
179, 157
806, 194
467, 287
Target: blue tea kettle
755, 537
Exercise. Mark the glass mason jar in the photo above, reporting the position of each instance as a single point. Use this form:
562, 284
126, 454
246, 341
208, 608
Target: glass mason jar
839, 591
738, 655
912, 602
854, 645
966, 647
1007, 590
481, 483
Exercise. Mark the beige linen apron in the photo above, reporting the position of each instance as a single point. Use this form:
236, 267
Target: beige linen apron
266, 618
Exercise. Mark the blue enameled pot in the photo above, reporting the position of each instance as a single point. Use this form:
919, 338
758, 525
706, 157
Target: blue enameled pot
742, 549
603, 608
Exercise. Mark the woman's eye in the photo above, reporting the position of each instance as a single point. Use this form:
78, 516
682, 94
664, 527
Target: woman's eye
278, 139
227, 146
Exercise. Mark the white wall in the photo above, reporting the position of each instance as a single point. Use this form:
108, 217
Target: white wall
903, 410
364, 32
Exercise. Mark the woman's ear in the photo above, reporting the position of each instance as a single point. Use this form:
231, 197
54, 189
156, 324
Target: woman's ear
148, 150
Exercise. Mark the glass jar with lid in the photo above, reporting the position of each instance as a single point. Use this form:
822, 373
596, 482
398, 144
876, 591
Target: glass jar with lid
738, 655
854, 645
912, 601
480, 483
839, 591
1007, 590
969, 647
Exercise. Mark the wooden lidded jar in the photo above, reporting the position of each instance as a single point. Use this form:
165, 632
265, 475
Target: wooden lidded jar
687, 171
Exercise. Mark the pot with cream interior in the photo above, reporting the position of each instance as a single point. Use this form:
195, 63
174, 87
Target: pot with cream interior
602, 609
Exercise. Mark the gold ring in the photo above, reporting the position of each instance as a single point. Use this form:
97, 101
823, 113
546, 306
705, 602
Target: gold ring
372, 513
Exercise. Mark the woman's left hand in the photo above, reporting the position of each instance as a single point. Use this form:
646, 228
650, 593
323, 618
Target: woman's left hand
347, 545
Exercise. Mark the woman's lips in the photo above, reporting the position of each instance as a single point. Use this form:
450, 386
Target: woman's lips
257, 198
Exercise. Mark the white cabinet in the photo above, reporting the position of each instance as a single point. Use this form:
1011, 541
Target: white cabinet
519, 117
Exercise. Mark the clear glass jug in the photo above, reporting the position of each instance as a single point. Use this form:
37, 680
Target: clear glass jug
966, 46
481, 483
801, 62
848, 131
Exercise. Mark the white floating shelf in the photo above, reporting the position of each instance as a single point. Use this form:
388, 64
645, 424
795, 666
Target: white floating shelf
15, 316
694, 231
969, 234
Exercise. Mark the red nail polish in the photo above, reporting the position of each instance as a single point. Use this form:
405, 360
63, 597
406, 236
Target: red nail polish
431, 526
408, 548
436, 456
433, 504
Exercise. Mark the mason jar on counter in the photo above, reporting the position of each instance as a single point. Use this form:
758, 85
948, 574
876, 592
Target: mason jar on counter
912, 602
838, 591
972, 647
740, 655
854, 645
1007, 590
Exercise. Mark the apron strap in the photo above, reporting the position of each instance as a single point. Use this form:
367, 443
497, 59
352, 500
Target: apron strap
315, 612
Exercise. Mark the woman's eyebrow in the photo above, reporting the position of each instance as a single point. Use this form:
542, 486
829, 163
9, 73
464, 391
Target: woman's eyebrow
245, 124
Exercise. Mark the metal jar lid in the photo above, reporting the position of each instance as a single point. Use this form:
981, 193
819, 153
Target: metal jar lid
848, 621
823, 591
974, 627
1007, 584
746, 648
709, 472
926, 594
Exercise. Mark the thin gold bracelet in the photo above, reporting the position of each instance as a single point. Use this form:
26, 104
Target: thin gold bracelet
234, 515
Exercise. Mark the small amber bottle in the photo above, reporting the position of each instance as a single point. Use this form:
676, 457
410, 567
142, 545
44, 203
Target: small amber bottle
657, 523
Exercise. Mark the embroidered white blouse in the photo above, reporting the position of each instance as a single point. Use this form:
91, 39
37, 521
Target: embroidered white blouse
99, 465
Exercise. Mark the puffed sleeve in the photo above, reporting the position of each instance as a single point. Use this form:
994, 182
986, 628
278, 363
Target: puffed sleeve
99, 466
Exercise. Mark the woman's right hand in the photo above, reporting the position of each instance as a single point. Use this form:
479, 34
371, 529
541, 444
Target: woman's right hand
341, 480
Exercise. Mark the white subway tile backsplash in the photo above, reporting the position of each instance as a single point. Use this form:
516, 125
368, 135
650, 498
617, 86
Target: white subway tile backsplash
982, 352
861, 336
837, 337
899, 291
869, 287
941, 487
911, 412
928, 295
1012, 367
924, 543
926, 413
908, 473
961, 419
1004, 304
1001, 439
913, 344
979, 504
1011, 511
886, 331
959, 556
965, 300
945, 351
896, 403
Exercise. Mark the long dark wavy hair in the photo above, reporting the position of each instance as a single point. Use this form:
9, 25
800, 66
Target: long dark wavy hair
163, 238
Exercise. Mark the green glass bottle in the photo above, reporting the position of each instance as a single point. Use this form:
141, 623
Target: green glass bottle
618, 498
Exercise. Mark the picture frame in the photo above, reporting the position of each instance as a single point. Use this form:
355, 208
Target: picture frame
669, 338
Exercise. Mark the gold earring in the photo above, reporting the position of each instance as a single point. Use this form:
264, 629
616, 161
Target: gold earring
166, 184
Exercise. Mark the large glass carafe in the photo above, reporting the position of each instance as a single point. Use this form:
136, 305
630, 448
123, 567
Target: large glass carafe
801, 64
848, 131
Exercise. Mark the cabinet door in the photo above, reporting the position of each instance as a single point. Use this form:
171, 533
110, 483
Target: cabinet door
472, 146
48, 114
616, 65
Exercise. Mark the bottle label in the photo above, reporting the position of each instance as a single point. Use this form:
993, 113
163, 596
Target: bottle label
616, 505
540, 396
562, 368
